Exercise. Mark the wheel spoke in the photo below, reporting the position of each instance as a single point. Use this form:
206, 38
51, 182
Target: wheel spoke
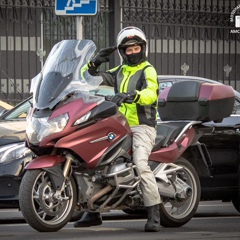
171, 210
40, 213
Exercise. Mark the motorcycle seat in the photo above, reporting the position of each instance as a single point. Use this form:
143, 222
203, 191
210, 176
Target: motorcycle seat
166, 133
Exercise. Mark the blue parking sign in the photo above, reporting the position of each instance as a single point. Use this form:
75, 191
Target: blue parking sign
76, 7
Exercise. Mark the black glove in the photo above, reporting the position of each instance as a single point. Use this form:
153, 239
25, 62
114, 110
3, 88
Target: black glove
102, 56
119, 98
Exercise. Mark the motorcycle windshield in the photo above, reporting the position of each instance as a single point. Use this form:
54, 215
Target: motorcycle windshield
64, 73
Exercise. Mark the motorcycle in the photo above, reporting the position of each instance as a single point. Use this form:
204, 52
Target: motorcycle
82, 148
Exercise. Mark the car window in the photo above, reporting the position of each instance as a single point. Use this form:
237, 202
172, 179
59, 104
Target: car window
163, 85
20, 112
236, 108
103, 91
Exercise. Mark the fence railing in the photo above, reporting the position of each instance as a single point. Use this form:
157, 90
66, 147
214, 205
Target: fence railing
189, 37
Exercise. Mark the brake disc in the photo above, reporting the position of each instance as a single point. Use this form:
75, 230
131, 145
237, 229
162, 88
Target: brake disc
50, 204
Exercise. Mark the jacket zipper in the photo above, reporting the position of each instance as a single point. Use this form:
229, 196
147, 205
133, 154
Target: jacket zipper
125, 82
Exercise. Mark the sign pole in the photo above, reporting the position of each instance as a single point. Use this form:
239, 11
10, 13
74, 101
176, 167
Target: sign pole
79, 27
78, 9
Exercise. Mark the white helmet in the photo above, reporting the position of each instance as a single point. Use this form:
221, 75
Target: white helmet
131, 36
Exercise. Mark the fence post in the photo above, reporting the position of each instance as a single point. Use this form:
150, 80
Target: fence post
114, 28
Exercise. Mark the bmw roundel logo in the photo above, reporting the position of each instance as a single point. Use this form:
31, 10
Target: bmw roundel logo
111, 136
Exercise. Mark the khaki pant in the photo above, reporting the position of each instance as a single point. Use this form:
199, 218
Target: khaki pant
143, 141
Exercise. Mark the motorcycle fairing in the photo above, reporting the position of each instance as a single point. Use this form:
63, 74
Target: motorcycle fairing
89, 147
119, 149
75, 109
170, 153
103, 110
167, 132
46, 161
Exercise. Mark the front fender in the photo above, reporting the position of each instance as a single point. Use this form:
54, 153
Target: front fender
50, 164
46, 161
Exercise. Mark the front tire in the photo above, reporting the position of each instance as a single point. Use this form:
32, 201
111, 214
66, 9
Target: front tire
39, 206
176, 213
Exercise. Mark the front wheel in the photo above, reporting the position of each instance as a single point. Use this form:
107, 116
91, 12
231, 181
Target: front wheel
41, 208
177, 212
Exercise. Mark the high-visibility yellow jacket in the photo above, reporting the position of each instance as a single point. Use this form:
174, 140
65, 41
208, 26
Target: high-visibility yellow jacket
143, 79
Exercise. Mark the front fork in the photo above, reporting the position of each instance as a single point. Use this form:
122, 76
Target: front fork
172, 187
67, 166
59, 176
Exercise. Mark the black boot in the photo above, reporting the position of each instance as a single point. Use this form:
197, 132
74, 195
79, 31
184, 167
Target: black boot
153, 222
89, 219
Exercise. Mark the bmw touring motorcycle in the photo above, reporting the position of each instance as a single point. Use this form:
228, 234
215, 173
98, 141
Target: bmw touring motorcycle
82, 145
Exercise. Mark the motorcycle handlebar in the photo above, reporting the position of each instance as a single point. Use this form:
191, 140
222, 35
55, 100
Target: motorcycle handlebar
109, 98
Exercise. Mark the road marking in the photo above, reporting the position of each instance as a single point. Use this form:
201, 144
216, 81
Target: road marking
215, 205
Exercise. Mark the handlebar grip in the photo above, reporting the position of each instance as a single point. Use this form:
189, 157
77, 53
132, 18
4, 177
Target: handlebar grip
109, 98
129, 101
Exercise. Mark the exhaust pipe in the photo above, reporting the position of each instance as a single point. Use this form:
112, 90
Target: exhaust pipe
98, 195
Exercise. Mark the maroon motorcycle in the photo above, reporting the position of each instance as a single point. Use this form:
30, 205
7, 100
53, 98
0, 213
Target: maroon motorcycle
82, 145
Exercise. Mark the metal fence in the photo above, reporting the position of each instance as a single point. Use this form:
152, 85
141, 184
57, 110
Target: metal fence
28, 30
189, 37
185, 37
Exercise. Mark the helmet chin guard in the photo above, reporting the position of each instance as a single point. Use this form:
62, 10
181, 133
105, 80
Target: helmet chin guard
131, 36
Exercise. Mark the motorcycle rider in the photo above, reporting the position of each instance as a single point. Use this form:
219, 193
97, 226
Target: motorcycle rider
135, 79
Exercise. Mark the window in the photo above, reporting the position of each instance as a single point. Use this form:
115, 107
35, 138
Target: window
163, 85
19, 112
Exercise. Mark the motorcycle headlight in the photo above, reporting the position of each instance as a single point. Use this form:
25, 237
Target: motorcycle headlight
38, 128
12, 152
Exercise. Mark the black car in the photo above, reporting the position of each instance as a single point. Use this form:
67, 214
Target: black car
13, 154
217, 161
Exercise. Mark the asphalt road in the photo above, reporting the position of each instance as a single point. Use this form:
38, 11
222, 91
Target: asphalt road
213, 220
205, 209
